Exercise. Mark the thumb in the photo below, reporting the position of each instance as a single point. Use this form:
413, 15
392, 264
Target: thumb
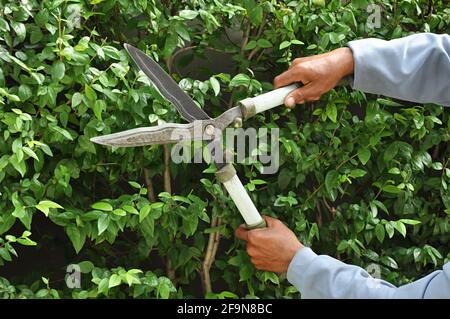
307, 92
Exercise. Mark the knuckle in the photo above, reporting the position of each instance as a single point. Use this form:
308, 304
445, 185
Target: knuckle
299, 68
278, 222
251, 237
298, 95
251, 251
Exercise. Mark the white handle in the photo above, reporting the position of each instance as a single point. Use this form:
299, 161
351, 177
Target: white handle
266, 101
227, 175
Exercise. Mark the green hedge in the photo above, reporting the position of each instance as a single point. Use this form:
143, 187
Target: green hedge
362, 178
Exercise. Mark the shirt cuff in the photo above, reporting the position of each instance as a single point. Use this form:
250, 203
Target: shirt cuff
365, 58
300, 261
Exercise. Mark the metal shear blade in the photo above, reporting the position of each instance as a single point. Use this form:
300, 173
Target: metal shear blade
171, 133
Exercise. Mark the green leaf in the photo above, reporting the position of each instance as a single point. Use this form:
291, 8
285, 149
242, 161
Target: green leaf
379, 232
355, 173
156, 205
188, 14
99, 108
388, 102
336, 37
30, 152
164, 288
215, 85
103, 223
20, 30
240, 79
4, 253
256, 15
19, 166
130, 209
26, 242
114, 281
401, 228
134, 185
76, 237
284, 45
61, 131
394, 171
86, 266
364, 155
297, 42
391, 189
410, 221
25, 92
389, 230
90, 93
320, 3
58, 70
119, 212
144, 212
331, 111
77, 98
331, 181
36, 36
263, 43
45, 205
106, 207
250, 45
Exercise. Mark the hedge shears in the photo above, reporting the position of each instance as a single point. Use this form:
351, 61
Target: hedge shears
199, 127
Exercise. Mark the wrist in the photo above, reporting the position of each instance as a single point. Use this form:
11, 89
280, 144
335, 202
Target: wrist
345, 61
295, 249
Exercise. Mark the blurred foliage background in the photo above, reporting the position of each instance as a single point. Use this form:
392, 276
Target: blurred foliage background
362, 178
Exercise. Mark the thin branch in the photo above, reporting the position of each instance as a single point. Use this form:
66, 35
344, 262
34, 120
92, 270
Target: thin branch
215, 243
319, 219
173, 56
170, 271
150, 190
167, 178
206, 264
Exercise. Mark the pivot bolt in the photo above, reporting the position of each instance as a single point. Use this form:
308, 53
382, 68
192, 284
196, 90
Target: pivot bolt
209, 129
237, 122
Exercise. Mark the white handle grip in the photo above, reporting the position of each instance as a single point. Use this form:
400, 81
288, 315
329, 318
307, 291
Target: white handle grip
266, 101
243, 202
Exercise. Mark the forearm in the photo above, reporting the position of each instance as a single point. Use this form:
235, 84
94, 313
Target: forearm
325, 277
415, 68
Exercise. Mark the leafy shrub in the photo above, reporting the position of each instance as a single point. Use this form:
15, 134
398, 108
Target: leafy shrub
362, 178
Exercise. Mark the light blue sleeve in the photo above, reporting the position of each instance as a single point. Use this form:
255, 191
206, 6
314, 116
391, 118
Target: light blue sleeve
414, 68
320, 276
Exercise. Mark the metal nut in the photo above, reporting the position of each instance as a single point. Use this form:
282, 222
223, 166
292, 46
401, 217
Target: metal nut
237, 122
209, 129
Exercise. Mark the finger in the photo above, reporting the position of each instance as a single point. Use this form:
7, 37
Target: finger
301, 60
295, 62
242, 233
270, 221
307, 92
290, 76
251, 250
